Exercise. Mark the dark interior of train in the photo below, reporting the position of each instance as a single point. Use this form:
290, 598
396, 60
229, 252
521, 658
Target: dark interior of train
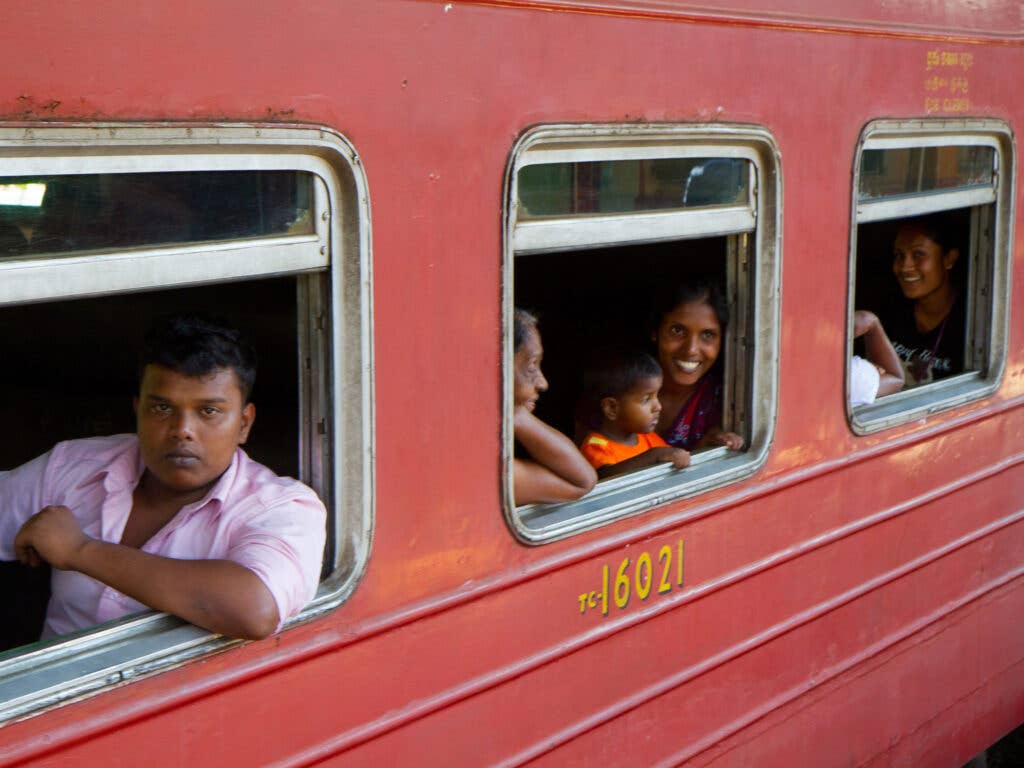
595, 299
71, 366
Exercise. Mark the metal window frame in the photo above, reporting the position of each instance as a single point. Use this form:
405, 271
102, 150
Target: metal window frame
754, 255
988, 292
333, 267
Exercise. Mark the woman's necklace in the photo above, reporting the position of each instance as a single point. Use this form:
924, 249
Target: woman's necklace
923, 318
920, 367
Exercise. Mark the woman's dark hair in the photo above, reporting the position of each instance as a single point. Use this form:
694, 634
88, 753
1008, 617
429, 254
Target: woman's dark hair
522, 323
198, 345
937, 227
696, 290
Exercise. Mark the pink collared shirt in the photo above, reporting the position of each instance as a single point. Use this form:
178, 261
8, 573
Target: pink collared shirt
274, 526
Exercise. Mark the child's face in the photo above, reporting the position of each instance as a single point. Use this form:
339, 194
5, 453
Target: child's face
639, 408
689, 340
529, 381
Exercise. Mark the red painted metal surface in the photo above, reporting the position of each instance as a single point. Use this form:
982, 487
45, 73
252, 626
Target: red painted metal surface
855, 602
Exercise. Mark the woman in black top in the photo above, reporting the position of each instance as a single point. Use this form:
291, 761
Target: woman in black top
928, 331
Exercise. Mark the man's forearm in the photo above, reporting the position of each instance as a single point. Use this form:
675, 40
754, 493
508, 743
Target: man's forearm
219, 595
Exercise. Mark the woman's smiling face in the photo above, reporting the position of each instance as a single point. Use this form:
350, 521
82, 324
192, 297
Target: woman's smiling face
689, 340
920, 265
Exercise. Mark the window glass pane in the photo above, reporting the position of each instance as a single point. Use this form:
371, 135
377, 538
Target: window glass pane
625, 186
61, 214
888, 172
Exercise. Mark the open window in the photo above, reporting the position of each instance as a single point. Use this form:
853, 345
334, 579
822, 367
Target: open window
599, 218
930, 257
103, 229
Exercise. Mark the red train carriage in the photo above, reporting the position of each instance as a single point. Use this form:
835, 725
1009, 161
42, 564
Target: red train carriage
372, 188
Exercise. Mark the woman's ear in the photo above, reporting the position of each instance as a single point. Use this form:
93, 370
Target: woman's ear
609, 408
949, 257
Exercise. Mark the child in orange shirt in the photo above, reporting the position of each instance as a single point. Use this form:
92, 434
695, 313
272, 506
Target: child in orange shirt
624, 389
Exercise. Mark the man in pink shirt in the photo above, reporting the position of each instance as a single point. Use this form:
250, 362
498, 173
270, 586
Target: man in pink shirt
176, 517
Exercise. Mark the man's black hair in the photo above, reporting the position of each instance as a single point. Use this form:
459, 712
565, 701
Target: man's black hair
616, 373
198, 345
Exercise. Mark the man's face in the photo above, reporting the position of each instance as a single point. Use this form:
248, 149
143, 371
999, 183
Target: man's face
189, 427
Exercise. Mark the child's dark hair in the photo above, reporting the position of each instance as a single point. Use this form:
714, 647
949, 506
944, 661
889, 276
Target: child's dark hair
198, 345
523, 322
616, 373
695, 290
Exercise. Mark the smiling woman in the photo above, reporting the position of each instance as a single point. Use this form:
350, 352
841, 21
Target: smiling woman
688, 334
927, 330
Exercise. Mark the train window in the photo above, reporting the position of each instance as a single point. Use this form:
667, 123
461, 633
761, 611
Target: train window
103, 228
930, 255
598, 220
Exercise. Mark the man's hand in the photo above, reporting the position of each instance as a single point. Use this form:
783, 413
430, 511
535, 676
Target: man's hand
53, 536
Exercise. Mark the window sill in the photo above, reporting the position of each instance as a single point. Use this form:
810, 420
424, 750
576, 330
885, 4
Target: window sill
619, 497
921, 402
53, 672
